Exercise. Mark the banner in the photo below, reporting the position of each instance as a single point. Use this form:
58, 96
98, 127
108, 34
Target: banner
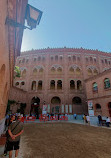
44, 110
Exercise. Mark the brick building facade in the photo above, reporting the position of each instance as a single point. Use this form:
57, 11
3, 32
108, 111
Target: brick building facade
9, 49
98, 90
56, 77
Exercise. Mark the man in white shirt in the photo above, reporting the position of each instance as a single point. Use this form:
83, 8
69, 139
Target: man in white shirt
107, 121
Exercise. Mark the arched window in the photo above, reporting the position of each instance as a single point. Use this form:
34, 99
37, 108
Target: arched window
35, 71
95, 87
59, 69
91, 59
95, 60
78, 71
86, 59
74, 58
23, 61
98, 106
22, 83
39, 58
61, 57
52, 69
43, 58
27, 60
59, 84
102, 61
41, 70
52, 58
55, 100
106, 83
17, 83
95, 72
71, 70
72, 84
56, 57
78, 58
89, 72
19, 61
52, 84
76, 100
33, 85
34, 59
79, 85
24, 73
106, 61
40, 85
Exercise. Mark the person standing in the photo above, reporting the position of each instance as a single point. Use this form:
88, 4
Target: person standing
107, 121
75, 116
100, 120
15, 130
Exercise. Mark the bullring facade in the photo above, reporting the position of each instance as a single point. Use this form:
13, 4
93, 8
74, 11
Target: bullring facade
56, 77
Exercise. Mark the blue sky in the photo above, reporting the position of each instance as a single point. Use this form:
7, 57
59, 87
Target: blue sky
72, 24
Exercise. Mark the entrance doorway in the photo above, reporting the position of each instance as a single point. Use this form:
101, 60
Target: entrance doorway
35, 105
109, 107
55, 101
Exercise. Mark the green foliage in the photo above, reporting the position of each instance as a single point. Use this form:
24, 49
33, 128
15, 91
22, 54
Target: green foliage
17, 71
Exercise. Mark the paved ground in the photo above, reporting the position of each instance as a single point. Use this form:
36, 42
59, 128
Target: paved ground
65, 140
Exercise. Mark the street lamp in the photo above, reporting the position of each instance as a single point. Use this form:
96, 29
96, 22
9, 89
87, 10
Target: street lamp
33, 16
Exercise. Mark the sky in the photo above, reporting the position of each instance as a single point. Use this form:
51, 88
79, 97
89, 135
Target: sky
71, 24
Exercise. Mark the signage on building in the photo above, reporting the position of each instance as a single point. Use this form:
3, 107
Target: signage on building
44, 110
90, 108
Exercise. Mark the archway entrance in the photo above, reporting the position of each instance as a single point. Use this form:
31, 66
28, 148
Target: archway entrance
35, 103
109, 107
55, 101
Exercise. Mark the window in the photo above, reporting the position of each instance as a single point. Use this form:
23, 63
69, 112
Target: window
39, 58
59, 70
95, 60
98, 106
78, 71
35, 71
17, 83
86, 59
74, 58
40, 85
24, 73
56, 57
89, 72
106, 83
78, 58
34, 59
19, 61
71, 70
59, 84
91, 59
22, 83
79, 85
106, 61
95, 72
76, 100
52, 58
52, 84
52, 69
95, 87
41, 70
27, 60
23, 61
33, 85
102, 61
72, 84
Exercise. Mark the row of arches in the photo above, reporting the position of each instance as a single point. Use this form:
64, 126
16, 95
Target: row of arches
57, 69
106, 85
57, 101
99, 108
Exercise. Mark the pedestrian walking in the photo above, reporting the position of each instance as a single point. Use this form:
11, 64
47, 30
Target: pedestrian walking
15, 130
88, 119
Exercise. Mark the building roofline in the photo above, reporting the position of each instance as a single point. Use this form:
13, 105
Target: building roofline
78, 50
99, 75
